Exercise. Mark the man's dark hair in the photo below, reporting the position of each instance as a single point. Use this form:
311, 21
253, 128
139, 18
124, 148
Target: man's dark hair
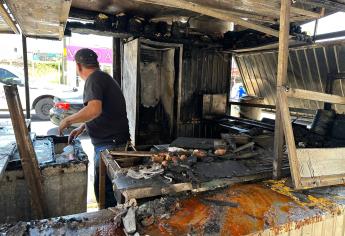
87, 58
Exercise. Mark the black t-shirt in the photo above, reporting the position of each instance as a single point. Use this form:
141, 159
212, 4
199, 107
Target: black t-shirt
112, 124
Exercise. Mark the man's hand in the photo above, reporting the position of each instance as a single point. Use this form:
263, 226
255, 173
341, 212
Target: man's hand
64, 124
75, 133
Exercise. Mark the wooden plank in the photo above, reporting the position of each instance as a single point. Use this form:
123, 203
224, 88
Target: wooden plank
131, 153
216, 13
293, 109
311, 14
26, 152
323, 181
289, 139
318, 163
245, 146
315, 96
140, 193
283, 56
65, 8
6, 17
102, 175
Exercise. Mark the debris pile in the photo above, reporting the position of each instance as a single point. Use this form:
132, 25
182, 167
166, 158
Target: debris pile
197, 160
326, 131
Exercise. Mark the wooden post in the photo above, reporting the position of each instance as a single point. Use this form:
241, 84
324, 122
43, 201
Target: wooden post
26, 78
27, 153
117, 60
102, 175
281, 80
289, 137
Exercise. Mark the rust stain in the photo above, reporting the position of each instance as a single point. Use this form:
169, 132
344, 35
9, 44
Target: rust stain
245, 209
190, 218
258, 208
319, 202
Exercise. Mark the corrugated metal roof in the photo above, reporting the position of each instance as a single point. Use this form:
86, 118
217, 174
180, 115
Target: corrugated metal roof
307, 69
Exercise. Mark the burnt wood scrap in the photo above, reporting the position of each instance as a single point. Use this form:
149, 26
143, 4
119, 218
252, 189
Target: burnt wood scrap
104, 222
250, 38
182, 213
192, 164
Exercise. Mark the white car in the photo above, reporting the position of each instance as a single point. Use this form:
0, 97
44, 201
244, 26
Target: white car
41, 97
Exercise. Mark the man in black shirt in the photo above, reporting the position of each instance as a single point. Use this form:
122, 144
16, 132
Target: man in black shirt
104, 114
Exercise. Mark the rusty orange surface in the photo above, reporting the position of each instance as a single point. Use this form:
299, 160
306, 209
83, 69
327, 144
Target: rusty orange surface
253, 208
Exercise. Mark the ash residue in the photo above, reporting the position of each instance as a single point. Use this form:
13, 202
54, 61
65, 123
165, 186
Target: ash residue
149, 212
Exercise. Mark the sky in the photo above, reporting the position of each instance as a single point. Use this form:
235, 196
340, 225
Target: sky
331, 23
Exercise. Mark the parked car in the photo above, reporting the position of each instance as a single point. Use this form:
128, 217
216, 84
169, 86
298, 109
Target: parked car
65, 106
41, 96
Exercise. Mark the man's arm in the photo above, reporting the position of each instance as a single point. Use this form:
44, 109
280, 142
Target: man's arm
88, 113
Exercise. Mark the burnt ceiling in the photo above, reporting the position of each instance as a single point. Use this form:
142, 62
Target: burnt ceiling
47, 18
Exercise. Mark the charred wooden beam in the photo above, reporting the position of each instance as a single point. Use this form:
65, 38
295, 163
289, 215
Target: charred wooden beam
7, 18
65, 8
328, 4
216, 13
283, 55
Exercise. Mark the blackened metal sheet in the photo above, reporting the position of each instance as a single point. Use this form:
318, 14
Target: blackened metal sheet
195, 143
204, 71
224, 169
308, 67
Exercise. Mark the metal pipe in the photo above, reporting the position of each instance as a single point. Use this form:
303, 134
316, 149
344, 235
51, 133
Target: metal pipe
117, 60
26, 77
315, 29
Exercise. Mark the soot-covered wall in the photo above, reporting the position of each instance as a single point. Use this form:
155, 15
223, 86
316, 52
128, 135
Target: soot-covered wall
204, 71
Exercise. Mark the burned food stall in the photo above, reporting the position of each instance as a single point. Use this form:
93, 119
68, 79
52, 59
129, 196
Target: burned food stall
169, 81
189, 175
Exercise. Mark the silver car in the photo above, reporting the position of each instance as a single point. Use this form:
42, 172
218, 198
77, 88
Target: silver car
41, 97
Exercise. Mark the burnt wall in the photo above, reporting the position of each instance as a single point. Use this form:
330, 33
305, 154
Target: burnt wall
204, 71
